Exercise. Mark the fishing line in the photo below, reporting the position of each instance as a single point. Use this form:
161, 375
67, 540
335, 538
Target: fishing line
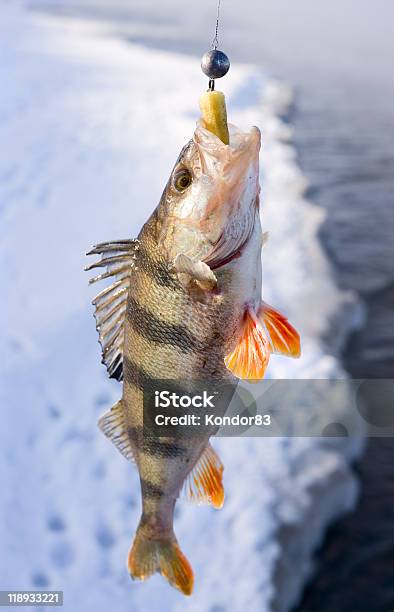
215, 41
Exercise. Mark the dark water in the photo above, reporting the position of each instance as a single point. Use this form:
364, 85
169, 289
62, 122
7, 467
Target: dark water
356, 562
339, 56
351, 168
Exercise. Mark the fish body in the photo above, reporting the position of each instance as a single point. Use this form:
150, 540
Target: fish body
186, 305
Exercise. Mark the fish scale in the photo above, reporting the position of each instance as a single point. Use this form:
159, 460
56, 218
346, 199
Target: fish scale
172, 344
171, 337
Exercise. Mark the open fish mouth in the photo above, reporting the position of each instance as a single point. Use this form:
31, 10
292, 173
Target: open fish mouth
234, 168
242, 150
227, 210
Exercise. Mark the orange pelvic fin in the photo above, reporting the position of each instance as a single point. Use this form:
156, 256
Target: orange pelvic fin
250, 357
204, 485
148, 556
284, 339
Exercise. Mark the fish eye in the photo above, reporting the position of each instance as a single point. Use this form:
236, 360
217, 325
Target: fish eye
182, 179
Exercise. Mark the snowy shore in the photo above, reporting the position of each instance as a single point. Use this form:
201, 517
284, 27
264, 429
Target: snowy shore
90, 129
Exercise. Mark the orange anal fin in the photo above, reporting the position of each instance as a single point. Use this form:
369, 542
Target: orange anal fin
149, 555
204, 485
284, 339
250, 357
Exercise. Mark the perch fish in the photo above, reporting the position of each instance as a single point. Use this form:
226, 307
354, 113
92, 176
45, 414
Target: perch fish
185, 302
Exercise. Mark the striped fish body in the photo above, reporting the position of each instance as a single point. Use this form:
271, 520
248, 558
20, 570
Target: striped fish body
186, 306
171, 335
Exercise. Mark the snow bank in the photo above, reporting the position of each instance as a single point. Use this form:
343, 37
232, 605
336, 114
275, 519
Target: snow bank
90, 128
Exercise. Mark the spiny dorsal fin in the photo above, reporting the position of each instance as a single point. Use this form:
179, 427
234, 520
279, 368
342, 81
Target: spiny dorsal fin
117, 258
113, 425
204, 485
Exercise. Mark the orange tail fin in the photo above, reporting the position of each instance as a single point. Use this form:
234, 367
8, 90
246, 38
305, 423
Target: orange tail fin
148, 556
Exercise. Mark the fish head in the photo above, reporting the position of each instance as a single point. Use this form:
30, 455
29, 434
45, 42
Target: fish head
212, 195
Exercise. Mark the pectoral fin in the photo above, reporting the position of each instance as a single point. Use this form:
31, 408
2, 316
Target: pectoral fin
195, 273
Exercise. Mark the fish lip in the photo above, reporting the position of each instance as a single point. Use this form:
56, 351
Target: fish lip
221, 160
240, 140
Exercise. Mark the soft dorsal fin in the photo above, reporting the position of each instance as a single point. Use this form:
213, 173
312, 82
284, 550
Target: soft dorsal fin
250, 357
113, 425
118, 260
204, 485
284, 339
